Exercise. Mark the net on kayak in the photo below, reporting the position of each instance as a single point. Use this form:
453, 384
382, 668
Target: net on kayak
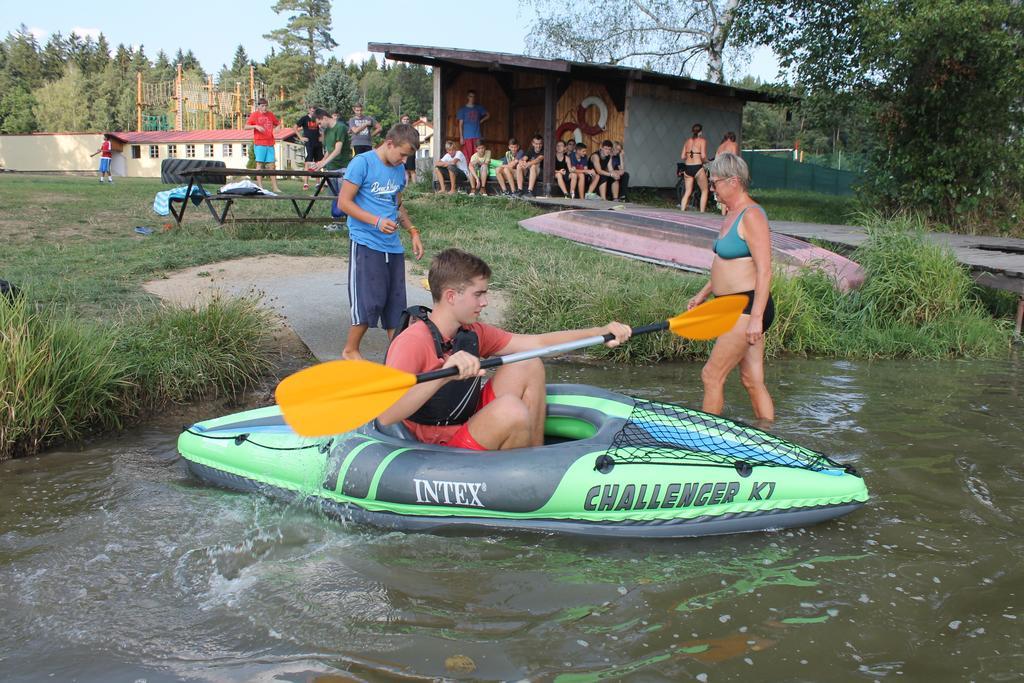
659, 433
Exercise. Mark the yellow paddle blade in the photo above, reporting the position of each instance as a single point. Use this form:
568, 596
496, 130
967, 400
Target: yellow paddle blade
710, 319
339, 395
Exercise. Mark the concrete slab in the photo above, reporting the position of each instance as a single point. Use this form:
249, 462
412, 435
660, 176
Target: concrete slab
308, 293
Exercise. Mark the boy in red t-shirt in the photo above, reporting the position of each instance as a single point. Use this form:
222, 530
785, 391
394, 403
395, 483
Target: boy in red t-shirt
106, 152
263, 125
462, 411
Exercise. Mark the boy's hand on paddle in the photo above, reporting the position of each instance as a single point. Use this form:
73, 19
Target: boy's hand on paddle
467, 363
621, 332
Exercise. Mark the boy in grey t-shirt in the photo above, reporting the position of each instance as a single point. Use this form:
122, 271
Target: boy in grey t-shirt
359, 128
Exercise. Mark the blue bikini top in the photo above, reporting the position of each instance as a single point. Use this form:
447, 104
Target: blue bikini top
732, 246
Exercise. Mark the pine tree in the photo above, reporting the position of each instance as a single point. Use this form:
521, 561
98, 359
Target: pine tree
22, 63
54, 57
306, 35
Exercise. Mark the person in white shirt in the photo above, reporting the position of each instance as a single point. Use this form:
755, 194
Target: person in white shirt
454, 162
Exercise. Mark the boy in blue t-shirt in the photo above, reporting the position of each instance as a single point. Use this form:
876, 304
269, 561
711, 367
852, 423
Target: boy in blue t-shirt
371, 197
470, 117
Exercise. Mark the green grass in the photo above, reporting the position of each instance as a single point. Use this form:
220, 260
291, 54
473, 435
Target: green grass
808, 207
100, 352
781, 205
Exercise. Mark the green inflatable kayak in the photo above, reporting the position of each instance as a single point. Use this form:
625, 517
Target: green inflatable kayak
611, 466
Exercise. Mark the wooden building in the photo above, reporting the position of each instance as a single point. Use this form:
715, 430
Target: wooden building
651, 113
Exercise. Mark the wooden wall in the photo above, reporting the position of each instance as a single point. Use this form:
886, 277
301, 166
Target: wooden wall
566, 112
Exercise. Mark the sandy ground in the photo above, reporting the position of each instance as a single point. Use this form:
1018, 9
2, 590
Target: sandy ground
308, 293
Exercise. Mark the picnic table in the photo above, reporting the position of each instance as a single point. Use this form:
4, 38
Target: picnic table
218, 175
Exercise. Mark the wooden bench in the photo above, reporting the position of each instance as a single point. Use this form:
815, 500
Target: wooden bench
198, 175
229, 199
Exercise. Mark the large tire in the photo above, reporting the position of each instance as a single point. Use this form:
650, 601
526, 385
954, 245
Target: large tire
171, 169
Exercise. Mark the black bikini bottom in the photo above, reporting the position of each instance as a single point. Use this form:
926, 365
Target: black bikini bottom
769, 309
692, 169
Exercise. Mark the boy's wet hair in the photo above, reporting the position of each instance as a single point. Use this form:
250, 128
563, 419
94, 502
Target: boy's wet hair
538, 136
606, 143
513, 141
403, 134
580, 145
454, 269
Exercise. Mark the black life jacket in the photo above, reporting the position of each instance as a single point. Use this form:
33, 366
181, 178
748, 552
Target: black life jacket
456, 401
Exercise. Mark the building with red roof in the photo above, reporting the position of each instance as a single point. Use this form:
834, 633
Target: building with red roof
139, 154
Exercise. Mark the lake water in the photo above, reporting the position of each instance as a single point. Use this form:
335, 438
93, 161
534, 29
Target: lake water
115, 566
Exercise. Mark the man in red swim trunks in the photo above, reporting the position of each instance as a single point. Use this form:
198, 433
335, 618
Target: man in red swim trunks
463, 411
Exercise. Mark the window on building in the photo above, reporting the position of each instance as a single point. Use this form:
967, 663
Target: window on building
172, 151
136, 151
208, 151
245, 149
154, 151
190, 151
228, 150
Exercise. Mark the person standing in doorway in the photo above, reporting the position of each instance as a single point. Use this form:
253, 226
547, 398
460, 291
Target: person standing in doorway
470, 118
410, 162
264, 125
106, 152
309, 131
362, 129
371, 197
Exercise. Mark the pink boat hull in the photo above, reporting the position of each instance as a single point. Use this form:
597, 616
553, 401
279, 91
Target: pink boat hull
683, 240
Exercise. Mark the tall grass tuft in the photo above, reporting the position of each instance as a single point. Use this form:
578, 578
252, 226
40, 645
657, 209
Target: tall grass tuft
911, 280
917, 302
591, 295
59, 378
62, 378
181, 353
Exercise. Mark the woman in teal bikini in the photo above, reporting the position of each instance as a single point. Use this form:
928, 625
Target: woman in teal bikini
742, 265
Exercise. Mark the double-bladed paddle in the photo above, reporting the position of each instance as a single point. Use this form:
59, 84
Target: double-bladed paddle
334, 397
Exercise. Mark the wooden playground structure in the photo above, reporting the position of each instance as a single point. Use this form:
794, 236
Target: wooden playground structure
191, 104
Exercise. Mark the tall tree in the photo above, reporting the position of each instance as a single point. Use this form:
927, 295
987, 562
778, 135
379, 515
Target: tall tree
334, 91
59, 105
943, 80
22, 62
238, 72
16, 115
304, 37
163, 69
54, 56
669, 36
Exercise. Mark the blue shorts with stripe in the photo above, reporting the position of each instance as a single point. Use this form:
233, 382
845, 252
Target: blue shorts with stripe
376, 287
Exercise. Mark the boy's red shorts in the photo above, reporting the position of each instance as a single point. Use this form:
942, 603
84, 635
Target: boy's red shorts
462, 438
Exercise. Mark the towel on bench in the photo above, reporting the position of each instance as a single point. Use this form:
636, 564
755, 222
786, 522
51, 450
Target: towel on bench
162, 201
